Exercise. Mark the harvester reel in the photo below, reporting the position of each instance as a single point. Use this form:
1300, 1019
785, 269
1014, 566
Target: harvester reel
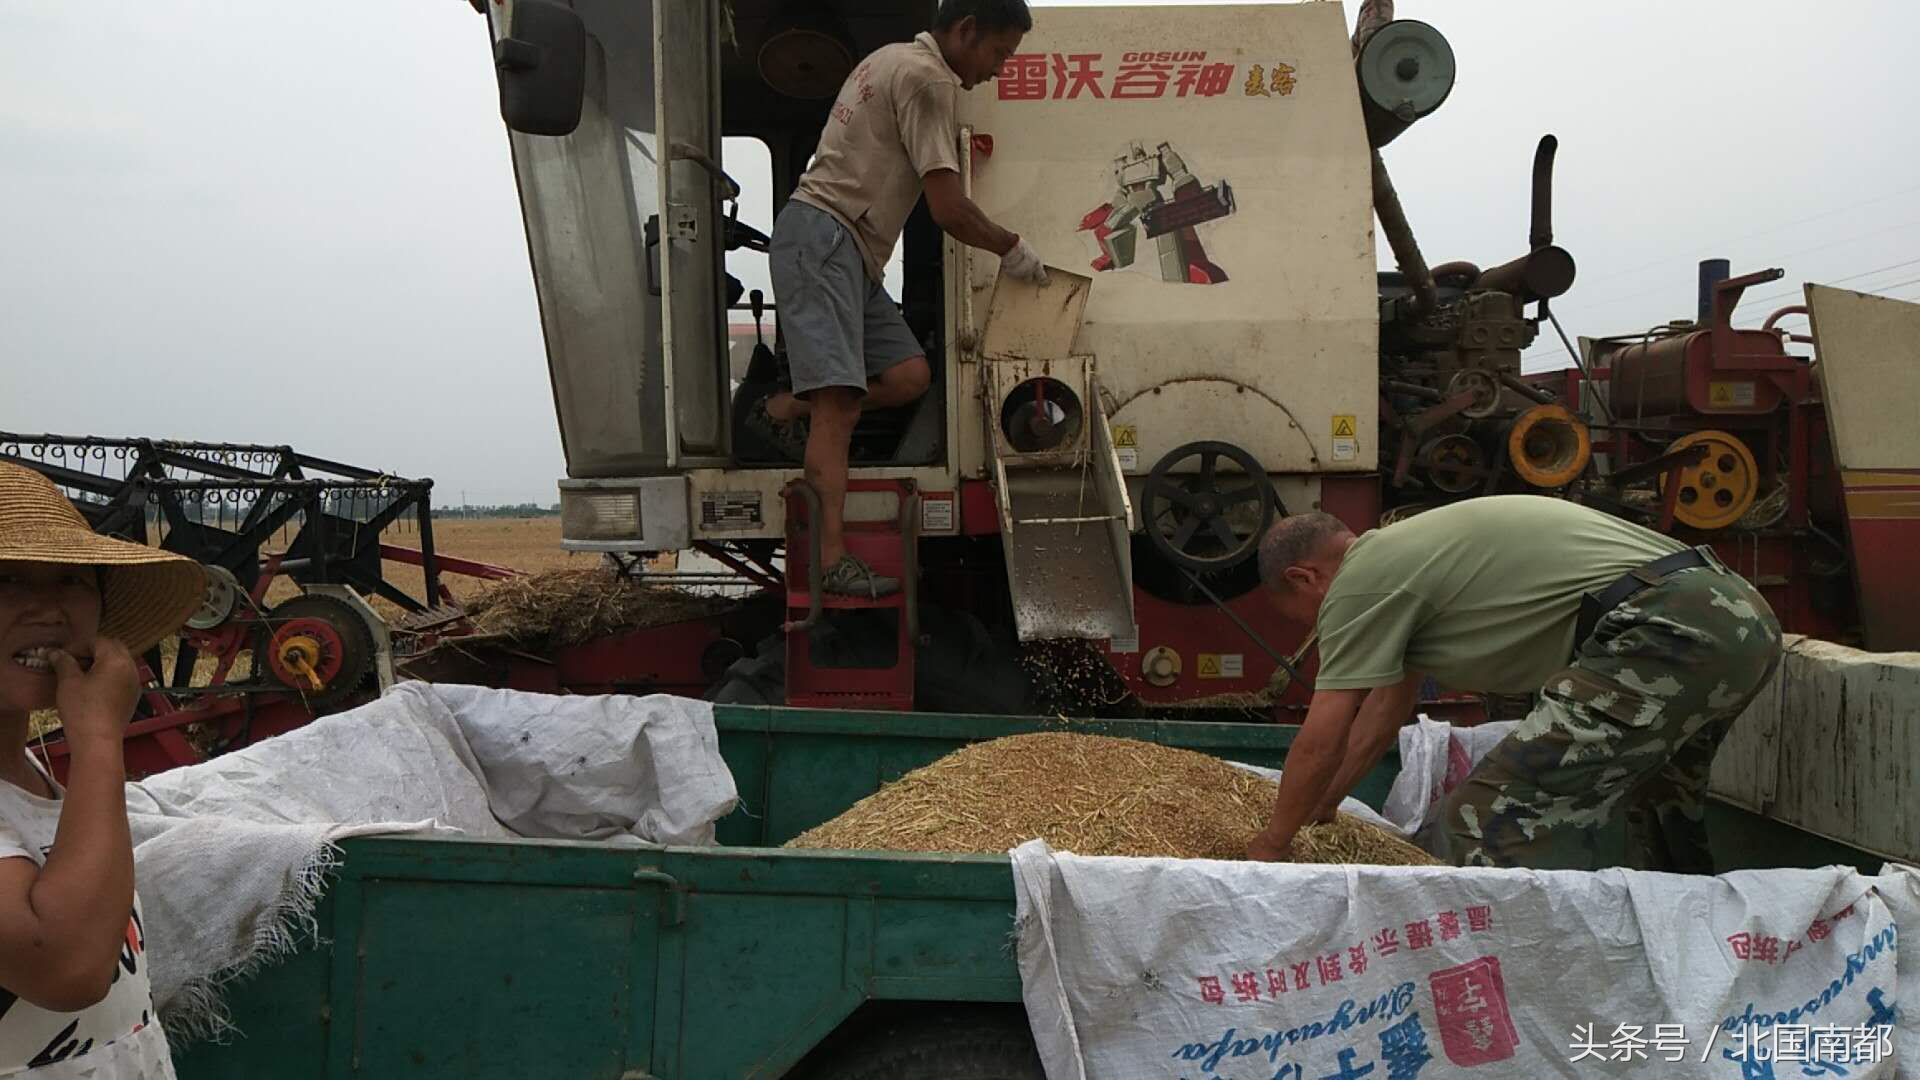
1720, 488
319, 648
1191, 518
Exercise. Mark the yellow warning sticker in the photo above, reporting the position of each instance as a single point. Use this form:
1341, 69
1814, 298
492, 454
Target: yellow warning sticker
1346, 441
1221, 665
1126, 447
1730, 395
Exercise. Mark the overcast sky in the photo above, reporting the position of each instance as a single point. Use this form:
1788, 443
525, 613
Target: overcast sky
296, 223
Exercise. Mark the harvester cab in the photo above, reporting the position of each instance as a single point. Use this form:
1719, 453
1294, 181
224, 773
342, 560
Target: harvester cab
631, 218
1097, 458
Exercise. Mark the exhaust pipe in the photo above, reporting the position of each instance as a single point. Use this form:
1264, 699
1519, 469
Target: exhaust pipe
1712, 273
1546, 270
1406, 250
1541, 232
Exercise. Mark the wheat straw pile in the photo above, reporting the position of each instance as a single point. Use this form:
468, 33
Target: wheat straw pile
1092, 795
566, 607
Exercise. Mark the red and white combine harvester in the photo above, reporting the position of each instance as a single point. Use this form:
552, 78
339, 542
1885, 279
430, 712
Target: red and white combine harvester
1097, 459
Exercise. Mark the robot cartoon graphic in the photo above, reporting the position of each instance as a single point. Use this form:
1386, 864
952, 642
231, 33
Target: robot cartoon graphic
1155, 194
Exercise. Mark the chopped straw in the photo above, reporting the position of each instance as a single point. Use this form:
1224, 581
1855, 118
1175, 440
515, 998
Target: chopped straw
1092, 795
566, 607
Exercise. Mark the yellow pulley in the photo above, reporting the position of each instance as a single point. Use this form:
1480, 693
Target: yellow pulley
301, 655
1548, 446
1718, 489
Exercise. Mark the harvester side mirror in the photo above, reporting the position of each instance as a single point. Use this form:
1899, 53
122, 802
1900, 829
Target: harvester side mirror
542, 68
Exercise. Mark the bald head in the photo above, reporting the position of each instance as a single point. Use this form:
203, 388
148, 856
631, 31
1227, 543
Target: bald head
1299, 540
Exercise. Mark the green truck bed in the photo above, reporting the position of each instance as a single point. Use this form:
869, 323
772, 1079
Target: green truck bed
559, 959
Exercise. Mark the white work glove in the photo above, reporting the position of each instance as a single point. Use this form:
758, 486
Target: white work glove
1023, 263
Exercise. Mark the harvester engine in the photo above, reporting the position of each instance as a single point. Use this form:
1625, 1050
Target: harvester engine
1456, 417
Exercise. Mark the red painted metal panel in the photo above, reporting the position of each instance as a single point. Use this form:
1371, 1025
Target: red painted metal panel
1354, 499
659, 660
1196, 630
1883, 524
882, 546
979, 514
158, 743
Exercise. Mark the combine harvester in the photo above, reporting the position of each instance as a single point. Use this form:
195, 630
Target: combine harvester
1095, 462
1081, 493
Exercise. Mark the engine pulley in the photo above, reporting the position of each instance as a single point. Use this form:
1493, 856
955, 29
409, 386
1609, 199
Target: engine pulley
1549, 446
223, 595
1454, 464
1484, 387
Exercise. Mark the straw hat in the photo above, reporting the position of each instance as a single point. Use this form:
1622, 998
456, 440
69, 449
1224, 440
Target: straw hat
149, 592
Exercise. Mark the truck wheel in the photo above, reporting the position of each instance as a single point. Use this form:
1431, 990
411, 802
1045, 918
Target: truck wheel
969, 1045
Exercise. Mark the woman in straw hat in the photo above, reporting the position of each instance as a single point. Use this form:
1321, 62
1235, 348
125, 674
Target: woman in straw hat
75, 608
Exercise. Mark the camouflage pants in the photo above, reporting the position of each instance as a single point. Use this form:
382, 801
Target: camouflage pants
1630, 727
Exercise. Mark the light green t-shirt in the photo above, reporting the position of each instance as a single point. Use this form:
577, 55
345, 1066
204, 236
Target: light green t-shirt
1482, 594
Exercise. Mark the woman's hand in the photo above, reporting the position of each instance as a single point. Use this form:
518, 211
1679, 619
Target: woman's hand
96, 702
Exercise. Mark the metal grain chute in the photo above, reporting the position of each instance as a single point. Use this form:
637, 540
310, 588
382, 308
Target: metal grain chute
1064, 512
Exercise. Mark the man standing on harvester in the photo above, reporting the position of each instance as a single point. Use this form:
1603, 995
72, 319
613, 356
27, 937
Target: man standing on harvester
891, 132
1643, 651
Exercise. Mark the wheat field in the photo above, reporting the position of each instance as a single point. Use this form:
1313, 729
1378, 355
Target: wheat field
526, 544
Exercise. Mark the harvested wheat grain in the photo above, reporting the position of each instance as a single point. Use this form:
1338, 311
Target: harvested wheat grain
566, 607
1071, 676
1093, 795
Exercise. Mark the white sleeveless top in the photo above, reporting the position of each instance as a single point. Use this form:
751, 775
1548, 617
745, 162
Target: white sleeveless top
119, 1036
